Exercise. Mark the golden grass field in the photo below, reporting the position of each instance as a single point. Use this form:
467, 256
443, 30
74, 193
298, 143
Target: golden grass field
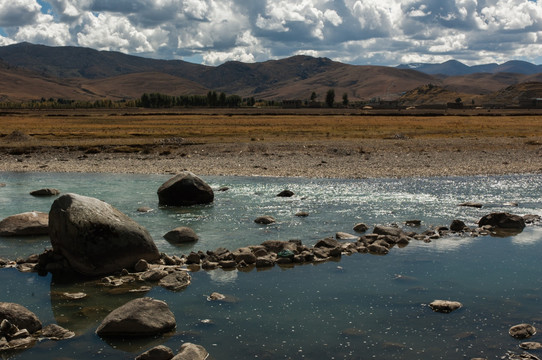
118, 127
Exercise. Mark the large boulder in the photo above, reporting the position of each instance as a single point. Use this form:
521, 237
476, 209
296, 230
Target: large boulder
25, 224
96, 238
19, 316
185, 189
503, 221
139, 317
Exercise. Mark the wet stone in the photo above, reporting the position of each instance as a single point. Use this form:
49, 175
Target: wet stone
522, 331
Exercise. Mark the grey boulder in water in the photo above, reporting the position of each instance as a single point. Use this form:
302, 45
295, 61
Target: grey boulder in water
96, 238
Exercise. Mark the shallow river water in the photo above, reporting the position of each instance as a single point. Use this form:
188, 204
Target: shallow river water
355, 308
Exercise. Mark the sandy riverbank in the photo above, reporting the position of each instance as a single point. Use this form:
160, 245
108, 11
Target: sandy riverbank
324, 158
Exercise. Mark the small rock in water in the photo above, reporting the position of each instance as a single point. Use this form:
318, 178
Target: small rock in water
181, 234
345, 236
55, 332
302, 214
45, 192
144, 209
215, 296
361, 227
159, 352
265, 220
285, 193
445, 306
471, 204
531, 345
522, 331
457, 225
413, 222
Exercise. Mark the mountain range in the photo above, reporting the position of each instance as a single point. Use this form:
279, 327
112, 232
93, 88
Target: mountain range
29, 71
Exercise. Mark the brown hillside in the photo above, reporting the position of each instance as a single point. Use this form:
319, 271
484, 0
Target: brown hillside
432, 95
481, 83
358, 82
134, 85
23, 85
512, 95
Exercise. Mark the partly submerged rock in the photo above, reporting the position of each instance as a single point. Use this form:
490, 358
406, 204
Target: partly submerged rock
522, 331
139, 317
159, 352
457, 225
471, 204
445, 306
265, 220
19, 316
181, 235
45, 192
530, 345
25, 224
189, 351
56, 332
176, 281
185, 189
503, 220
285, 193
361, 227
96, 238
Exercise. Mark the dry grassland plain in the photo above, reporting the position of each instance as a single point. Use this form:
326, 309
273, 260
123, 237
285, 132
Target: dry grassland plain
315, 143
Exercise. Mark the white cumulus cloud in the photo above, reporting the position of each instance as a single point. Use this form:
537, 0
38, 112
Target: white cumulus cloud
386, 32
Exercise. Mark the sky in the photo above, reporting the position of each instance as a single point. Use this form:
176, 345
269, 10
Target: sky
360, 32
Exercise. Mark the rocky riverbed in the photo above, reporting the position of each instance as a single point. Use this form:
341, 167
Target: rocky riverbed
364, 158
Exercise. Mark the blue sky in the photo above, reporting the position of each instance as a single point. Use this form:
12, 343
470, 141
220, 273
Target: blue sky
379, 32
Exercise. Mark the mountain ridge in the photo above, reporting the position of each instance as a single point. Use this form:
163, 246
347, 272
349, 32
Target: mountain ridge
29, 72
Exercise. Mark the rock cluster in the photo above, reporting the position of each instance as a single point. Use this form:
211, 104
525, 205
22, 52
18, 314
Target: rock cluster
20, 328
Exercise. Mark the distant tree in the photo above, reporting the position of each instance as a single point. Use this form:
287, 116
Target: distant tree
345, 99
313, 96
222, 99
330, 98
212, 98
458, 100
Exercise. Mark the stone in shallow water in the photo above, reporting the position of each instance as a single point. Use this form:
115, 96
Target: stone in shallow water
185, 189
522, 331
96, 238
445, 306
25, 224
181, 235
531, 345
139, 317
20, 316
176, 281
159, 352
265, 220
45, 192
55, 332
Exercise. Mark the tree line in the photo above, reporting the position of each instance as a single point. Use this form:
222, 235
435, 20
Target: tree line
147, 100
212, 99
